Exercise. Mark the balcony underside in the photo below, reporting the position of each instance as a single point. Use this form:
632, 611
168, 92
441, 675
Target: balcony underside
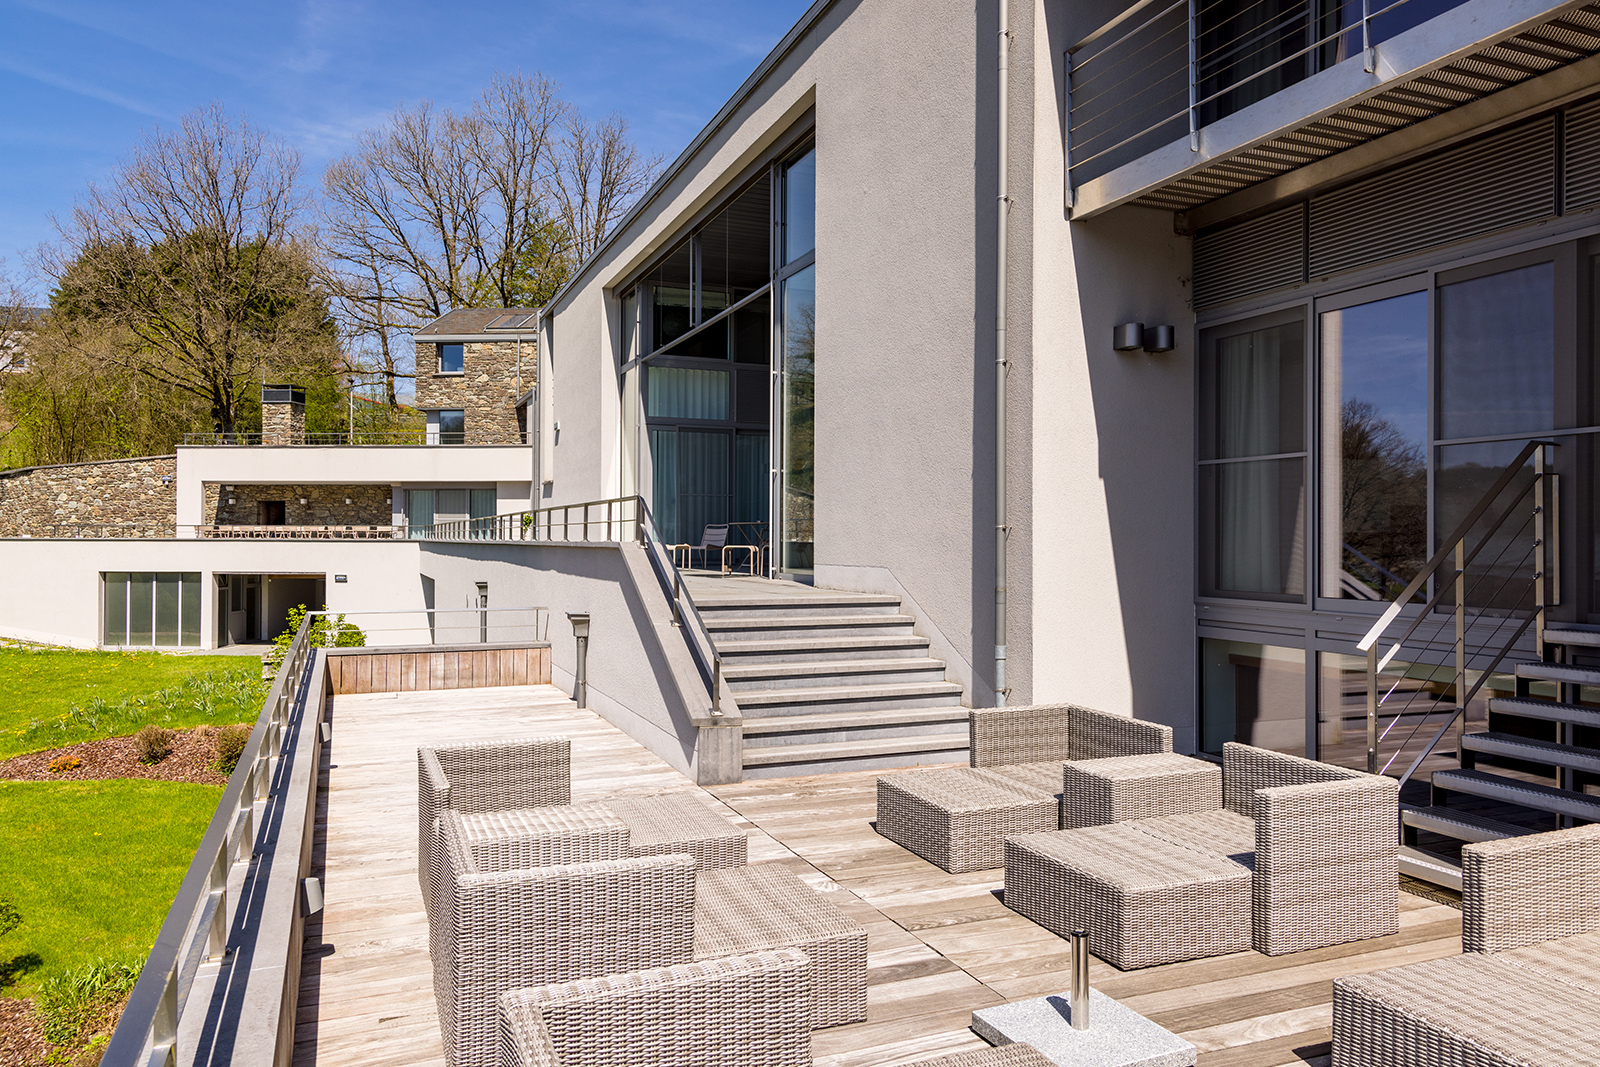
1459, 60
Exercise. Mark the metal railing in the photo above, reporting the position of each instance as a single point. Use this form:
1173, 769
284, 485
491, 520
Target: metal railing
197, 925
615, 520
298, 533
102, 530
685, 616
380, 437
1470, 614
1163, 69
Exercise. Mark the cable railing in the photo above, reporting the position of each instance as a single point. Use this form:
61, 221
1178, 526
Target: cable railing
1163, 69
1490, 586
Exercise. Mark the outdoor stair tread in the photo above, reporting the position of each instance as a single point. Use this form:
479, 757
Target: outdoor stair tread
791, 622
836, 720
779, 603
1514, 790
1549, 710
1538, 670
828, 693
1528, 748
1571, 635
1426, 867
837, 750
1460, 825
822, 644
852, 666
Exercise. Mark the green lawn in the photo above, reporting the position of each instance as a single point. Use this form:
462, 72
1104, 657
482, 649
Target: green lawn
53, 696
93, 868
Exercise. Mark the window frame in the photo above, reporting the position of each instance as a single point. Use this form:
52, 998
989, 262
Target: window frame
439, 370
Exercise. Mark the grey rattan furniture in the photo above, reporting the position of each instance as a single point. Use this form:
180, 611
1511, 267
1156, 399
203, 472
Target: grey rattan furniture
735, 1011
1531, 935
678, 822
1316, 844
1095, 792
752, 909
959, 818
1016, 1055
517, 927
493, 776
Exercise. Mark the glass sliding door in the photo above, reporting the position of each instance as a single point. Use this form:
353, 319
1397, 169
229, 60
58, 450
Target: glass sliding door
152, 610
1252, 693
1374, 429
1253, 457
798, 504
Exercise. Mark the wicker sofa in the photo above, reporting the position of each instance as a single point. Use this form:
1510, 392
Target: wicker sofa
1530, 932
504, 923
1300, 855
959, 818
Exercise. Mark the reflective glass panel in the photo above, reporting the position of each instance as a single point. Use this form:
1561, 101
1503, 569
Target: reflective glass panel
141, 608
1500, 575
1374, 447
452, 427
736, 250
419, 510
166, 610
752, 332
1253, 694
1497, 354
800, 207
687, 393
664, 484
451, 360
1252, 391
672, 297
799, 399
189, 611
1415, 700
704, 470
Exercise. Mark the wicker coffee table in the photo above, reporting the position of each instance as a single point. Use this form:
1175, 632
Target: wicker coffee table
958, 819
1096, 792
1143, 900
679, 823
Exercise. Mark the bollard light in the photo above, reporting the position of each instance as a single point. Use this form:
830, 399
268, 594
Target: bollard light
1080, 978
580, 630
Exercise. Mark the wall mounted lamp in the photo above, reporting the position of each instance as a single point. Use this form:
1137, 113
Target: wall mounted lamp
302, 501
347, 500
1133, 336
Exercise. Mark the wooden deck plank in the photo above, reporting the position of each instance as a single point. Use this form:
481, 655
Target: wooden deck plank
939, 945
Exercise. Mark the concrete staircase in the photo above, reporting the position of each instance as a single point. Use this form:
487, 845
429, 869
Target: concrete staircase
830, 681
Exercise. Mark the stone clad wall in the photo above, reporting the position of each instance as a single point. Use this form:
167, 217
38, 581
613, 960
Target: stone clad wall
107, 498
486, 390
283, 424
324, 506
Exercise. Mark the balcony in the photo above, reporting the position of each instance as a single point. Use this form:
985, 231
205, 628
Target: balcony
1176, 104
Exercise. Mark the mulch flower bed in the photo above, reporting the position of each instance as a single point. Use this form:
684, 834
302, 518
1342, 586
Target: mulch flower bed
22, 1042
193, 752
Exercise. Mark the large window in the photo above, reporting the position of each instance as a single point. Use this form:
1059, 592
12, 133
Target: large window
1252, 693
151, 610
451, 359
1253, 459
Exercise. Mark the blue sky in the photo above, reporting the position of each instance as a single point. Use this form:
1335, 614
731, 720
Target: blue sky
81, 80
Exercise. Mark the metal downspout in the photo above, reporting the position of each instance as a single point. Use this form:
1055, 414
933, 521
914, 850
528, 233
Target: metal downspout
1003, 206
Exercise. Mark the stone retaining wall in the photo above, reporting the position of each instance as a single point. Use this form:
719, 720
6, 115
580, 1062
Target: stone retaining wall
324, 504
106, 498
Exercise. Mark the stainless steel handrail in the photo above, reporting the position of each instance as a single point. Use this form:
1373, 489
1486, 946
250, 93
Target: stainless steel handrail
708, 659
610, 519
146, 1035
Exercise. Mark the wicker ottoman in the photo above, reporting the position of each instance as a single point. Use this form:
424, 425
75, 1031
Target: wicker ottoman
679, 823
754, 909
1143, 900
1097, 792
1019, 1054
959, 819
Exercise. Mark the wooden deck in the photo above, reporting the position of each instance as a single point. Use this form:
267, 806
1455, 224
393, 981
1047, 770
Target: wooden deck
940, 945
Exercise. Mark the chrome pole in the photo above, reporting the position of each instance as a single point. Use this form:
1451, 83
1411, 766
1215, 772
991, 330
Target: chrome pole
1461, 645
1194, 87
1080, 978
1372, 709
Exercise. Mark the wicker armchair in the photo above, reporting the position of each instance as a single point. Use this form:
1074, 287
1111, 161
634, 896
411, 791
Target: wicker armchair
728, 1012
494, 776
1055, 733
499, 930
1530, 930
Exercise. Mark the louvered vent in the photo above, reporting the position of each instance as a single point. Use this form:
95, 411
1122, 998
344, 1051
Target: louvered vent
1491, 184
1250, 257
1580, 179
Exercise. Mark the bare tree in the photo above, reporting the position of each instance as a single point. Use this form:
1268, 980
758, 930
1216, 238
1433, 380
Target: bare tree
597, 176
190, 248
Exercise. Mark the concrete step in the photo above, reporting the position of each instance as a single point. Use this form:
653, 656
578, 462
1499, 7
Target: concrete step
819, 700
853, 726
1514, 791
1572, 635
1539, 671
818, 649
1458, 824
1548, 710
1526, 748
1425, 867
748, 677
783, 761
823, 603
776, 627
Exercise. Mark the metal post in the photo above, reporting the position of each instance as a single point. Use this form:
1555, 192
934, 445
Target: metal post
580, 631
1461, 644
217, 940
1372, 709
716, 684
164, 1027
1070, 190
1565, 778
1369, 54
1194, 81
1080, 978
677, 597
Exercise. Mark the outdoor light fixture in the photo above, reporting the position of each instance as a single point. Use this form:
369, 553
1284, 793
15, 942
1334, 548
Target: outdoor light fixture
302, 501
1132, 336
347, 500
580, 631
230, 500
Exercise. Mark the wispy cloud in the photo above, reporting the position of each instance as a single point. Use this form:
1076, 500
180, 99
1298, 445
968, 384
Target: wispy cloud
79, 87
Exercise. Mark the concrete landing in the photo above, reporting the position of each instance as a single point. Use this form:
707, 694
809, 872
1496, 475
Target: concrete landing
1117, 1036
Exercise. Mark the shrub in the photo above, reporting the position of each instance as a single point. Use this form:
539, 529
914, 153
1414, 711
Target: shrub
153, 744
327, 631
63, 764
76, 1006
227, 746
10, 917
